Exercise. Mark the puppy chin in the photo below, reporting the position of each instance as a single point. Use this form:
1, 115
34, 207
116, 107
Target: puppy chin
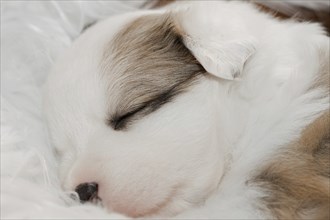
142, 203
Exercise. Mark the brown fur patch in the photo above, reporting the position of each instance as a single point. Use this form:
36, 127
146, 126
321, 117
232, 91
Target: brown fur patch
273, 12
281, 11
161, 3
284, 10
298, 182
298, 179
150, 66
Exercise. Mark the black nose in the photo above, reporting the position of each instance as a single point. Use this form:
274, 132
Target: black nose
87, 191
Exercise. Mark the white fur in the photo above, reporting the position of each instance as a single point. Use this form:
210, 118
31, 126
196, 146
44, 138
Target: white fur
221, 53
197, 151
209, 140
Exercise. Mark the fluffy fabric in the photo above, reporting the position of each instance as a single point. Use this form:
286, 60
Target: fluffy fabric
33, 34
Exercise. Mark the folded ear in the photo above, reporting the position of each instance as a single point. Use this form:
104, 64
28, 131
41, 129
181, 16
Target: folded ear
221, 54
224, 60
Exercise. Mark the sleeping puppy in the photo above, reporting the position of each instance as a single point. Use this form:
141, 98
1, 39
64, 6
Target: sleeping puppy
198, 110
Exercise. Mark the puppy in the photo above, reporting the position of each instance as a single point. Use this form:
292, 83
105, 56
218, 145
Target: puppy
198, 110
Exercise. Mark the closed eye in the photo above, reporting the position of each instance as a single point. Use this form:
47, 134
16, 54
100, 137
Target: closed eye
119, 122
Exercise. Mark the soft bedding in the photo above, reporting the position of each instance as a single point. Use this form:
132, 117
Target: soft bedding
33, 35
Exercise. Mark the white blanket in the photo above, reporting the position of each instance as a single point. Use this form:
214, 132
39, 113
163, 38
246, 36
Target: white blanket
33, 34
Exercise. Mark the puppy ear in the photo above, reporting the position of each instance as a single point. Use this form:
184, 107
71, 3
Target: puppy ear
221, 56
223, 60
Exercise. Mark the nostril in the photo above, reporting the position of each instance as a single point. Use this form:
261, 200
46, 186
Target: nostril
87, 191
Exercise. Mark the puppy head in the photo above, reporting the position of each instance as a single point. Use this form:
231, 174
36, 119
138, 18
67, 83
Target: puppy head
132, 108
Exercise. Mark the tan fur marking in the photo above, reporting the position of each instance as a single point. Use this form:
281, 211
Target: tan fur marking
161, 3
298, 182
149, 65
295, 12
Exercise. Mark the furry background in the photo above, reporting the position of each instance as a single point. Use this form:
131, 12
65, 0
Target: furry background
33, 34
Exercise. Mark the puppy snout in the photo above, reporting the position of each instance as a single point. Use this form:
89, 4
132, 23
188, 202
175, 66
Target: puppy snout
87, 191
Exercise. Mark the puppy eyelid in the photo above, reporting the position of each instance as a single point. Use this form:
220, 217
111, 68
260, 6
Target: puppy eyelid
119, 122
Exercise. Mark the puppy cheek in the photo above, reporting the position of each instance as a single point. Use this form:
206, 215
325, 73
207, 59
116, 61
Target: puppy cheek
136, 198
